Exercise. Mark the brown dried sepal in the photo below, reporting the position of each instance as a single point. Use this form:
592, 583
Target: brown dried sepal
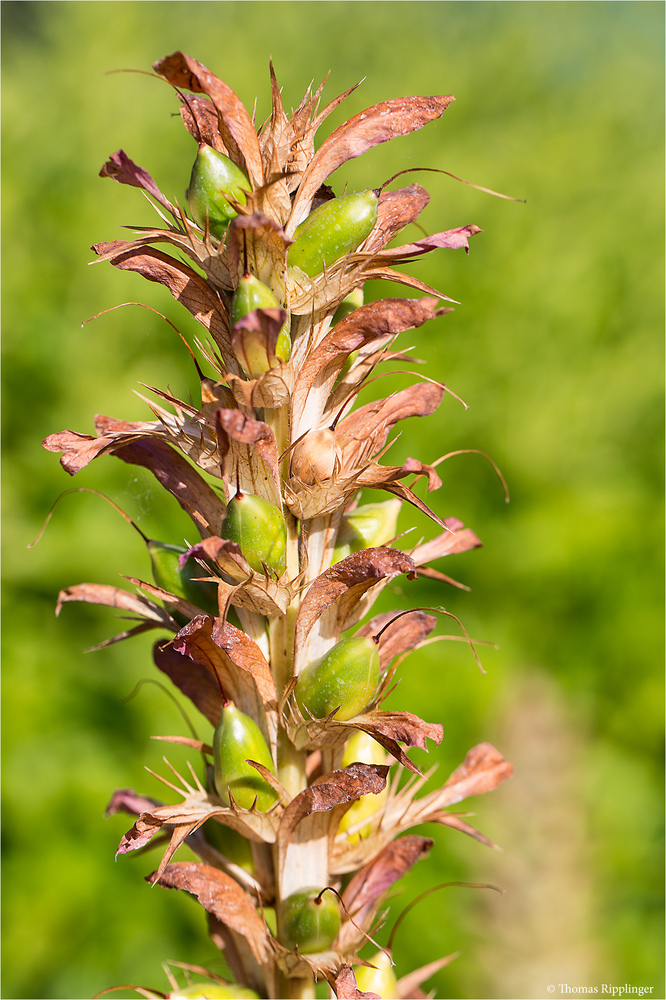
248, 454
234, 123
366, 889
251, 590
332, 595
407, 633
344, 986
220, 895
236, 664
324, 794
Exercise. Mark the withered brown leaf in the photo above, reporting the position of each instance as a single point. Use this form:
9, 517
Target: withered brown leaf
374, 879
236, 128
408, 632
343, 585
120, 168
222, 896
344, 986
186, 286
375, 125
194, 679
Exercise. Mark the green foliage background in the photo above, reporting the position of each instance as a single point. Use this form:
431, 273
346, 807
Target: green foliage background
556, 349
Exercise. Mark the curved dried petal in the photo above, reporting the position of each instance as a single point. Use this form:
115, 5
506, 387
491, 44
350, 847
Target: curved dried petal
236, 128
222, 896
369, 128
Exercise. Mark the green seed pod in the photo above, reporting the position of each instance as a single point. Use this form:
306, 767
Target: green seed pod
253, 356
381, 980
181, 582
314, 458
260, 529
214, 991
345, 678
230, 843
333, 230
361, 747
309, 920
238, 739
215, 176
364, 527
349, 304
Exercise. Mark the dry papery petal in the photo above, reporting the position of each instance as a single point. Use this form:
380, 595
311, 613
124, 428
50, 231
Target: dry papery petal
364, 892
384, 727
396, 210
310, 821
332, 596
249, 455
120, 168
257, 244
200, 119
320, 368
234, 122
220, 895
254, 591
187, 816
377, 124
344, 986
186, 286
237, 665
408, 632
483, 769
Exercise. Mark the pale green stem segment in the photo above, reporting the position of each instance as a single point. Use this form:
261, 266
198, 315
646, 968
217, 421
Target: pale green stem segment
291, 762
296, 989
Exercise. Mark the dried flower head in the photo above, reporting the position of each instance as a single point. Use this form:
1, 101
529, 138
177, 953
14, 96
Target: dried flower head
269, 467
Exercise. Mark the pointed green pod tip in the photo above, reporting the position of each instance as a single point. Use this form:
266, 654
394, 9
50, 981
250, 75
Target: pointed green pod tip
169, 576
230, 843
333, 230
309, 919
368, 525
214, 991
238, 739
380, 980
345, 678
361, 747
215, 178
260, 530
349, 304
252, 352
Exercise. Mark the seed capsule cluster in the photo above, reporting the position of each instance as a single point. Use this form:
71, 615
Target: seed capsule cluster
299, 817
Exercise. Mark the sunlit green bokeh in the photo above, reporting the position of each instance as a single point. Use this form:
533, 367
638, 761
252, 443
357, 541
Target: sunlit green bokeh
556, 349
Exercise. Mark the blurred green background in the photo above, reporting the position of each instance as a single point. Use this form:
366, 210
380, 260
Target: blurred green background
556, 347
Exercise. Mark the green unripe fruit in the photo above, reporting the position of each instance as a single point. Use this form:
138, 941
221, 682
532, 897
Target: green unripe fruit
214, 991
309, 920
238, 739
381, 980
254, 359
260, 530
215, 176
164, 559
366, 526
361, 747
345, 678
349, 304
230, 843
332, 231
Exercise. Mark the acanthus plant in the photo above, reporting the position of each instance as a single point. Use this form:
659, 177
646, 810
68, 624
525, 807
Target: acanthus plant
300, 827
